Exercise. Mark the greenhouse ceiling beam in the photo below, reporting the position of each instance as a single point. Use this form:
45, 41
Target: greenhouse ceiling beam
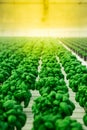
42, 2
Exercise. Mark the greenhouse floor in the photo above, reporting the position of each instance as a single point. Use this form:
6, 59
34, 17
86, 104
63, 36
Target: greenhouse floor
77, 114
28, 111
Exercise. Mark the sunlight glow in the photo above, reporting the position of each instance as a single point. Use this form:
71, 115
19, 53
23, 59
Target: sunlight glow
52, 32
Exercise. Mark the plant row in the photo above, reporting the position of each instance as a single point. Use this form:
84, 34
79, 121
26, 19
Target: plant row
77, 76
10, 58
78, 46
16, 90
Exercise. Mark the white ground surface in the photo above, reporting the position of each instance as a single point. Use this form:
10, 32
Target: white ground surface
79, 112
80, 59
28, 111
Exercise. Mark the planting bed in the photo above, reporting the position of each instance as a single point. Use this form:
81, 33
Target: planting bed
43, 86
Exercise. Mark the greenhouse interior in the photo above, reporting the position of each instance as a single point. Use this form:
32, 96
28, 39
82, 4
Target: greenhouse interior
43, 64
